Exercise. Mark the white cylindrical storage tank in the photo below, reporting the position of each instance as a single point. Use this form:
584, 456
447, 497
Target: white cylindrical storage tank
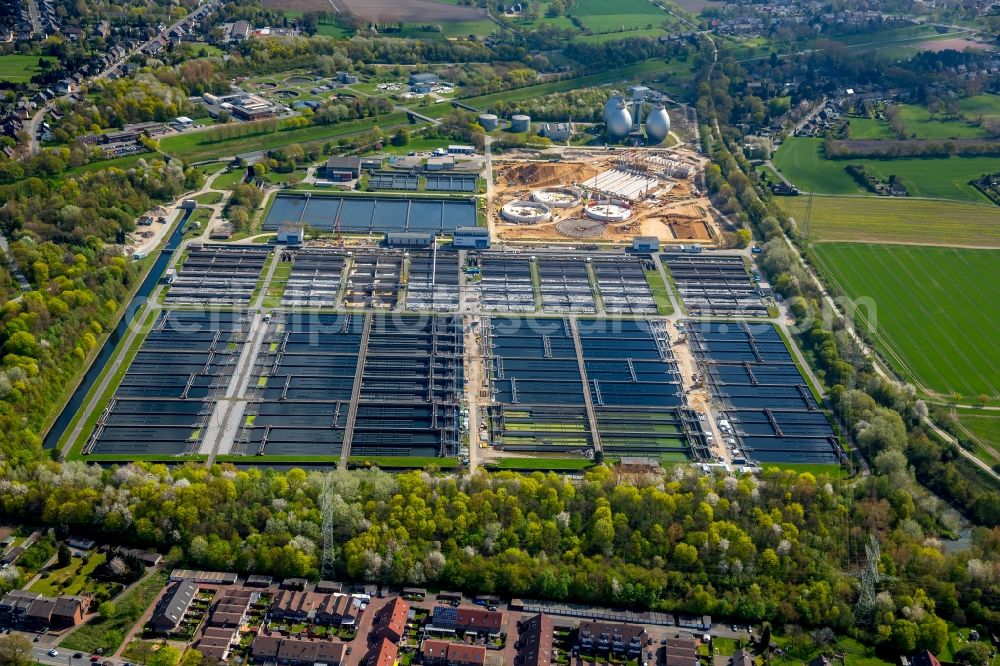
520, 123
617, 118
488, 121
657, 124
525, 212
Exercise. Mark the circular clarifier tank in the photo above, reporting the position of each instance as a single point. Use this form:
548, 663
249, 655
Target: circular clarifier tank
525, 212
557, 197
607, 211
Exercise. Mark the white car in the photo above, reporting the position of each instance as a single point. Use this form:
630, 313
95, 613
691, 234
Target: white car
53, 652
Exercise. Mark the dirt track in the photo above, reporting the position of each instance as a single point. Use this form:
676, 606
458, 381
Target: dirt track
416, 11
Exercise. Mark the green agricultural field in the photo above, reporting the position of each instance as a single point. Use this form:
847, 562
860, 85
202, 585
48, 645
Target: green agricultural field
801, 160
885, 220
620, 75
20, 68
928, 309
194, 146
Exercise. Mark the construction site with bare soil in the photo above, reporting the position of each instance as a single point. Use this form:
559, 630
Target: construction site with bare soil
606, 197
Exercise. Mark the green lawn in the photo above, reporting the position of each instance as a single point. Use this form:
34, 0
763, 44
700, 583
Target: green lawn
601, 37
555, 464
980, 105
126, 162
897, 220
194, 146
608, 15
659, 290
416, 462
109, 633
20, 68
920, 125
930, 310
72, 579
227, 179
802, 162
855, 654
209, 198
869, 128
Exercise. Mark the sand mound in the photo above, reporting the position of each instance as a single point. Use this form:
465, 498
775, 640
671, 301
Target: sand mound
549, 174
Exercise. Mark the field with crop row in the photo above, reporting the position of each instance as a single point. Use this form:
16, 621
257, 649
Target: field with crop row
930, 310
897, 220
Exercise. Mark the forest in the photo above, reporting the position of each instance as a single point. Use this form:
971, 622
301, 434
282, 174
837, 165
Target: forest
62, 234
780, 546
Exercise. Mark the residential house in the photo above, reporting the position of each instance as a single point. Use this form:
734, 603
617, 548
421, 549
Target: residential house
337, 610
292, 606
606, 637
681, 650
68, 611
468, 620
215, 643
924, 658
535, 638
384, 654
297, 651
170, 611
230, 607
390, 621
447, 653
